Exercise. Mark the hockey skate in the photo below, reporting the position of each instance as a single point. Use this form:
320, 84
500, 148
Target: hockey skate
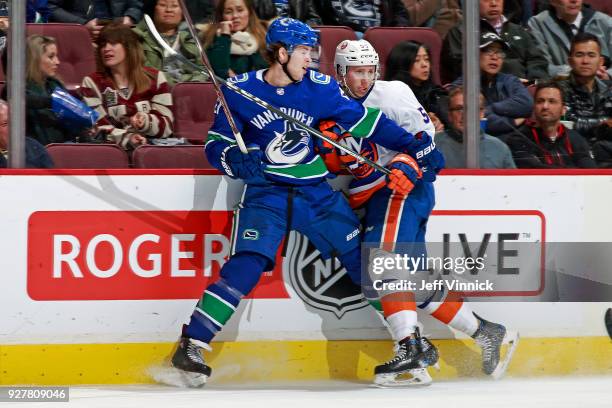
490, 337
188, 361
412, 358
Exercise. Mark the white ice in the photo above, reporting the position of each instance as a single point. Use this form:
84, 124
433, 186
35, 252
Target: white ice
580, 392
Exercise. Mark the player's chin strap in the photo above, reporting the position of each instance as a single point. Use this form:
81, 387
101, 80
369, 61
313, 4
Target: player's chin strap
285, 69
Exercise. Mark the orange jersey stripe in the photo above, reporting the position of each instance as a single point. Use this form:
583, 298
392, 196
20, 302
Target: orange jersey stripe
447, 311
397, 302
392, 221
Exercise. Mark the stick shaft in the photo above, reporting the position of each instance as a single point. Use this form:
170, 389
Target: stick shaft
213, 77
258, 101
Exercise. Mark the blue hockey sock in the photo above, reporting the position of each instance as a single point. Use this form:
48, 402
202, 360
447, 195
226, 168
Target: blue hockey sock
220, 300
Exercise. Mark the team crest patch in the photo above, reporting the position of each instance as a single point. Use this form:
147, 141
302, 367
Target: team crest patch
319, 78
288, 147
239, 78
322, 284
110, 97
251, 234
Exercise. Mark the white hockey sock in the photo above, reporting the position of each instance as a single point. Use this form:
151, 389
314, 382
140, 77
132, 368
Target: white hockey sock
402, 324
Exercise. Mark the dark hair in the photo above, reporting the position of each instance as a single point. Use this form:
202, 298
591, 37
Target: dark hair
549, 84
401, 59
584, 37
117, 33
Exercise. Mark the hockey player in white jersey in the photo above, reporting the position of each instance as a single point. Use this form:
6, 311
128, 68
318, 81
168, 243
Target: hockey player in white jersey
396, 216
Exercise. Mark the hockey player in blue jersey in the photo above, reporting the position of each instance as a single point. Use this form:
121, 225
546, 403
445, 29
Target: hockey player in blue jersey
401, 216
285, 179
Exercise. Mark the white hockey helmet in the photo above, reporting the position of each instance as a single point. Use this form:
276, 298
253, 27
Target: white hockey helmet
354, 53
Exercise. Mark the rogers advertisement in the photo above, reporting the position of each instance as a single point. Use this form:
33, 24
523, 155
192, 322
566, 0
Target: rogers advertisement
130, 255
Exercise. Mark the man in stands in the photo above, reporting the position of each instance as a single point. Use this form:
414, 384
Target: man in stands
546, 142
494, 154
508, 102
555, 28
36, 155
589, 99
523, 58
94, 14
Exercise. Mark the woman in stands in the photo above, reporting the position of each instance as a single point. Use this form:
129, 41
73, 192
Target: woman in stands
133, 101
42, 121
410, 62
167, 17
235, 40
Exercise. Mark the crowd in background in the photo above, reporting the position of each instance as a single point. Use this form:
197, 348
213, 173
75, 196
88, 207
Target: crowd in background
546, 89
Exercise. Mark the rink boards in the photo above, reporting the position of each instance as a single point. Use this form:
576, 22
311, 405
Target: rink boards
100, 269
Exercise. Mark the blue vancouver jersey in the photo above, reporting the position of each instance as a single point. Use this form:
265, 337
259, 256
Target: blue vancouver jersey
289, 153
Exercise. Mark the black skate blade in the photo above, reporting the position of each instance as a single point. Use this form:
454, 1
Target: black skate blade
174, 377
418, 377
608, 322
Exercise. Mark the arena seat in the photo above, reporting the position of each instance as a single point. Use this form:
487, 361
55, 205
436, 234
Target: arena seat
193, 108
331, 36
88, 156
170, 157
76, 53
385, 38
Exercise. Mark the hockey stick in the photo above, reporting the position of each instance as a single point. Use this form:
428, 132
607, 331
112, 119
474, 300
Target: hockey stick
261, 102
211, 73
608, 322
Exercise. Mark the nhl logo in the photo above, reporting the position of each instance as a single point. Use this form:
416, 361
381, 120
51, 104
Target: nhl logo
322, 284
280, 91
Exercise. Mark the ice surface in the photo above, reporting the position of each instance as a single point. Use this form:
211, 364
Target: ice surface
581, 392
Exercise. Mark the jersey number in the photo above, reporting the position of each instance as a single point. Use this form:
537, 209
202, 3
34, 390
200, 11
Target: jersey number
425, 115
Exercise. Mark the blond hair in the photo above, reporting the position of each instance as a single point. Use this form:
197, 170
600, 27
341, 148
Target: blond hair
36, 46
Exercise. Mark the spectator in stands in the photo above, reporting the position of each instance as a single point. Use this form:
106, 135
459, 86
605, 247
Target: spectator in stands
546, 142
410, 62
94, 14
589, 99
363, 14
37, 11
508, 103
555, 28
42, 121
303, 10
167, 17
201, 11
235, 41
494, 154
133, 101
523, 59
36, 155
4, 24
441, 15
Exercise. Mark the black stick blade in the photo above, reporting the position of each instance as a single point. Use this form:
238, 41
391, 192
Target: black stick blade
608, 322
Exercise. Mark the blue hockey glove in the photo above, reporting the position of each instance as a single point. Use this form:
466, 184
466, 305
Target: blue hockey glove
404, 174
247, 167
431, 161
71, 111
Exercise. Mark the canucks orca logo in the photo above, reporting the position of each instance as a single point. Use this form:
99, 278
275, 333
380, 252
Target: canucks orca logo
322, 284
289, 147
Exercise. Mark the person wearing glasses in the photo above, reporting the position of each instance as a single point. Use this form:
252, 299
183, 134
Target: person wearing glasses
494, 154
507, 101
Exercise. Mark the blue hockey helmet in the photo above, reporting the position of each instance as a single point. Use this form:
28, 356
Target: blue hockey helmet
291, 33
